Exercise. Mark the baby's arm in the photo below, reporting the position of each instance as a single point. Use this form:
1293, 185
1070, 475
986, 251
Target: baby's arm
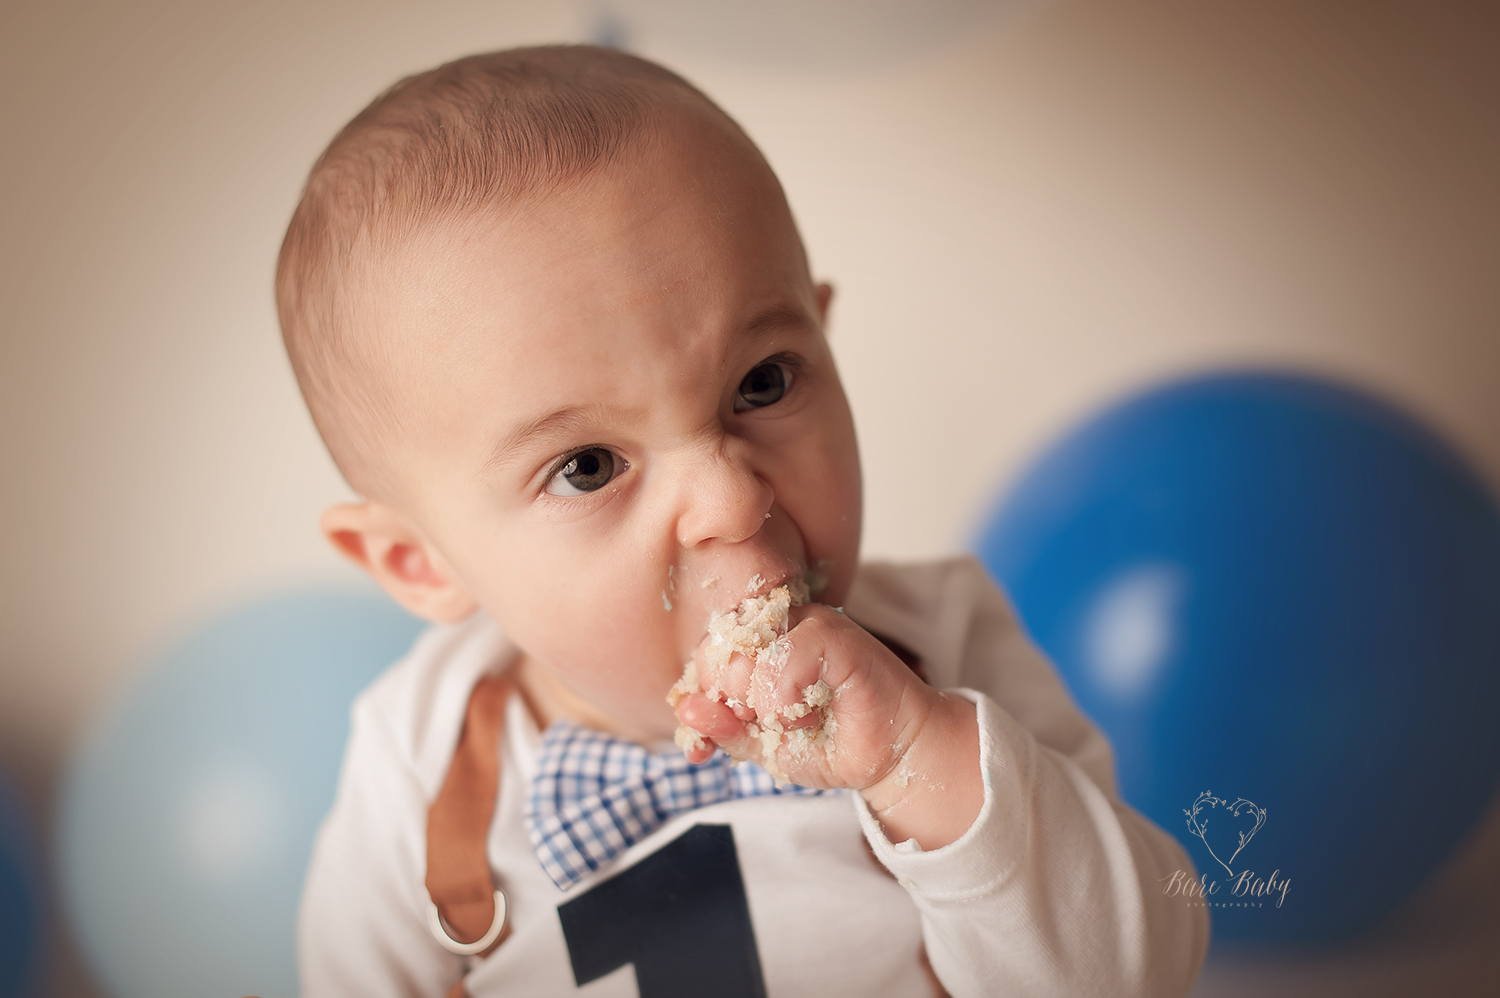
1056, 889
1029, 873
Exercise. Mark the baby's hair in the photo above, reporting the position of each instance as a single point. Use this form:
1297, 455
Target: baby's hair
473, 135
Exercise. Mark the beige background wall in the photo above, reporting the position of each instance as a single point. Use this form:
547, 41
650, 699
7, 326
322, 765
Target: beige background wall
1026, 211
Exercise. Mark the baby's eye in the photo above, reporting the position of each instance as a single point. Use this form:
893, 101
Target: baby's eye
764, 385
586, 471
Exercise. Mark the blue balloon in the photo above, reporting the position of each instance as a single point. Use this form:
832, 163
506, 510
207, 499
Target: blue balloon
22, 919
188, 816
1280, 598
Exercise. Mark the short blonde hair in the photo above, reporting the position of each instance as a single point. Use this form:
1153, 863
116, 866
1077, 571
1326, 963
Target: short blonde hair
473, 135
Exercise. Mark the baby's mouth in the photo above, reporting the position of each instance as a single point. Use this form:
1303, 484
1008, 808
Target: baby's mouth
798, 579
759, 585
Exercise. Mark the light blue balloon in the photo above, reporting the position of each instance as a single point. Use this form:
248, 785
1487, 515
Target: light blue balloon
189, 814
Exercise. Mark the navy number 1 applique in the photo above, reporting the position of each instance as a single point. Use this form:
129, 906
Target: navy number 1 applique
680, 916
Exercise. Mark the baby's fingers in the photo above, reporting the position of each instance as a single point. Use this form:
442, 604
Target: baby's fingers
712, 721
709, 717
727, 681
718, 724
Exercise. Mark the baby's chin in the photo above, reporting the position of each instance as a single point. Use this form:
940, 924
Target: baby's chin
640, 713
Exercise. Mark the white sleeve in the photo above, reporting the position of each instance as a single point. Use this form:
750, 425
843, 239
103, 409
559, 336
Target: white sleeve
361, 930
1054, 889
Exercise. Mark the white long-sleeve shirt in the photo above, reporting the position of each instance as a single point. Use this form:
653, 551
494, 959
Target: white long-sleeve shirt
1056, 889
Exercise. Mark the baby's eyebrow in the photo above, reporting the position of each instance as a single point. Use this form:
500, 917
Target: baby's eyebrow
567, 421
776, 317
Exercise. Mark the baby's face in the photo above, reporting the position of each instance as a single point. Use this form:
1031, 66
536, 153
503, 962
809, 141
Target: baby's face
621, 415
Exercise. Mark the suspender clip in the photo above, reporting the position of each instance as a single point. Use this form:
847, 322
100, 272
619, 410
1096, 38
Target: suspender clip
484, 942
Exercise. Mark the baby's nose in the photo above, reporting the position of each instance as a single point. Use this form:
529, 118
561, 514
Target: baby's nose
722, 497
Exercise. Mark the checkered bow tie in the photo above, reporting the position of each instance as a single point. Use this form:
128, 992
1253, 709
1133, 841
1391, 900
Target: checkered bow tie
595, 795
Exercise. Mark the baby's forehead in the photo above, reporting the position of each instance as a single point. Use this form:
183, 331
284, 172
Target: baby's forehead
692, 211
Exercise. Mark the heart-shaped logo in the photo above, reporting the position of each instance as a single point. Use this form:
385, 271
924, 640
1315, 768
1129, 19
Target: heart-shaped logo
1225, 828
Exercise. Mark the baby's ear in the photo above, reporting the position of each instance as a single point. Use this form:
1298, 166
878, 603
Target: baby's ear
824, 292
386, 544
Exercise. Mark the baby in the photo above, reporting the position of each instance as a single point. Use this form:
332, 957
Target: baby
552, 317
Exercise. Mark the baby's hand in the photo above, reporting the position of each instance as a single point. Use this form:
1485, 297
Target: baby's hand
829, 705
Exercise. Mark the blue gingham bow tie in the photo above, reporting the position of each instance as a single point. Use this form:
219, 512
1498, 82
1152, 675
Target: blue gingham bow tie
595, 795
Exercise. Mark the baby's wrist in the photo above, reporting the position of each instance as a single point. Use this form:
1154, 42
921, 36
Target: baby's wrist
933, 730
934, 791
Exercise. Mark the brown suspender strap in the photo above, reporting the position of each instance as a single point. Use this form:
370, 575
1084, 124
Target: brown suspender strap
458, 823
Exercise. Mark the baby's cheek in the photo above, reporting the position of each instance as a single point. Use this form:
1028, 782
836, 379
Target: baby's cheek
830, 523
610, 643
